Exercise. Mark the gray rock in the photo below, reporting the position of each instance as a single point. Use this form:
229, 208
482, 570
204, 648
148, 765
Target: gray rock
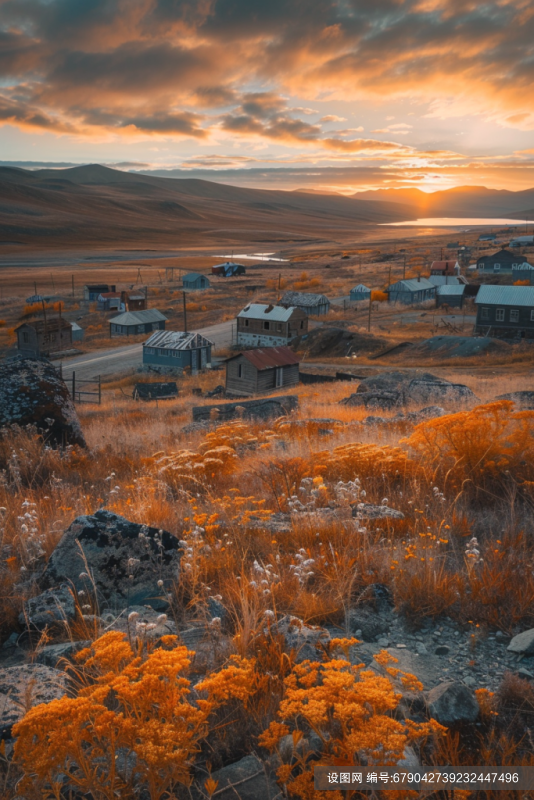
32, 393
25, 686
114, 549
390, 390
54, 654
523, 399
247, 779
452, 703
306, 641
426, 668
421, 648
525, 673
523, 643
370, 511
442, 650
437, 391
371, 624
262, 408
54, 608
278, 522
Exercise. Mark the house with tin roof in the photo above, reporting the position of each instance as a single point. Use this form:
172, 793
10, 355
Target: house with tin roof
195, 281
505, 311
131, 323
312, 304
178, 350
267, 325
262, 370
501, 261
359, 292
411, 291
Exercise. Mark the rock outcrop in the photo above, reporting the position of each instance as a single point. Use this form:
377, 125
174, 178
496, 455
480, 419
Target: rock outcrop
123, 561
262, 408
391, 390
32, 393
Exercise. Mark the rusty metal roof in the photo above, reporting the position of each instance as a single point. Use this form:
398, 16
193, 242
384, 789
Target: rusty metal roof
270, 357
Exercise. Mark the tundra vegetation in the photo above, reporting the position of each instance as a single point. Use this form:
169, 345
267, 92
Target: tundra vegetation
146, 716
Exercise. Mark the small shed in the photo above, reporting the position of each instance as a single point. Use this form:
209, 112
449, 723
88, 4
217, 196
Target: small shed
177, 350
131, 323
360, 292
411, 291
77, 332
43, 337
523, 272
195, 281
110, 301
228, 269
155, 391
450, 295
262, 370
311, 304
92, 290
135, 301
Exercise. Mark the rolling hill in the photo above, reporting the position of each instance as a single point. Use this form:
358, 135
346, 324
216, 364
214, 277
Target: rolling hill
97, 206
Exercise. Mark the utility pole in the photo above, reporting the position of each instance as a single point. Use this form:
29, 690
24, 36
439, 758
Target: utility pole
72, 282
185, 313
389, 276
369, 320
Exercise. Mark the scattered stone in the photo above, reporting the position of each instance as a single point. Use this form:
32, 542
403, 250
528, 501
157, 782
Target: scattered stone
523, 643
307, 641
420, 648
54, 608
261, 408
370, 625
383, 641
452, 703
25, 686
469, 680
525, 673
54, 654
276, 523
32, 393
442, 650
115, 549
247, 779
407, 420
11, 642
370, 511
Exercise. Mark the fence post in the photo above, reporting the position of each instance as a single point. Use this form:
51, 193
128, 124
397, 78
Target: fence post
73, 387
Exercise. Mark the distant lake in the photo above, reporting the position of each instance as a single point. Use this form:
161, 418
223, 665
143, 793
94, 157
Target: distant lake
461, 222
254, 257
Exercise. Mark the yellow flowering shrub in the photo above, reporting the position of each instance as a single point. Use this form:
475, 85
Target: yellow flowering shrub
348, 708
478, 451
131, 724
365, 461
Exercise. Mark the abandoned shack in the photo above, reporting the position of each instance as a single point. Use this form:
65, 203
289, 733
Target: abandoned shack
178, 349
155, 391
312, 304
411, 291
43, 337
92, 291
131, 323
195, 281
228, 269
450, 295
261, 325
360, 292
262, 370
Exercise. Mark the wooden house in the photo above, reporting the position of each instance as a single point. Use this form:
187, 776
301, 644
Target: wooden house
44, 337
195, 282
131, 323
177, 350
501, 261
110, 301
451, 295
262, 370
312, 304
261, 325
411, 291
505, 311
91, 291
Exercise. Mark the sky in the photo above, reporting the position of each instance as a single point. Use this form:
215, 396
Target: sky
326, 95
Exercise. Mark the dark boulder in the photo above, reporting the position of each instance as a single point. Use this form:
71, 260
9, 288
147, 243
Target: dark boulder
115, 549
392, 390
53, 609
523, 399
452, 703
422, 391
32, 393
262, 408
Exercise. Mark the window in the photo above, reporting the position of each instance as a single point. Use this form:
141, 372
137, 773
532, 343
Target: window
279, 326
279, 376
246, 323
532, 316
140, 329
176, 354
514, 315
266, 325
497, 267
484, 313
499, 315
515, 265
162, 351
301, 324
240, 370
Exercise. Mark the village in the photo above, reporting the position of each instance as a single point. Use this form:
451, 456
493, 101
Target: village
271, 327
